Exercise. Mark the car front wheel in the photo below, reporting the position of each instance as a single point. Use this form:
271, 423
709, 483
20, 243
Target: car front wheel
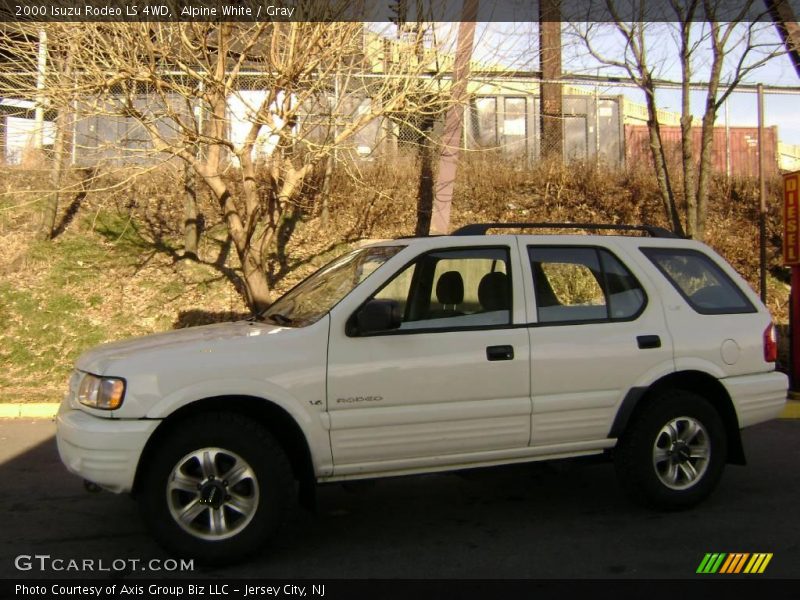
216, 488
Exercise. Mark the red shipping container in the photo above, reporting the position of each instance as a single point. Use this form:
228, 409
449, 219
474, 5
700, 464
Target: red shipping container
742, 147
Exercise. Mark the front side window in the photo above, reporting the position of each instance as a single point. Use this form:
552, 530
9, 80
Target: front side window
577, 284
307, 302
706, 287
453, 289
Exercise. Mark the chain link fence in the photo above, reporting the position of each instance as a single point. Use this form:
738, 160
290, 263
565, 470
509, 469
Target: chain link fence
519, 118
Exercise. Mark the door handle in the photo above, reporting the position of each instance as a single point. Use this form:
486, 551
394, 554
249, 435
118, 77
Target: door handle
500, 352
647, 342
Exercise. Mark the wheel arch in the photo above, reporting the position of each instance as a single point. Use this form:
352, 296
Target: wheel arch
274, 418
693, 381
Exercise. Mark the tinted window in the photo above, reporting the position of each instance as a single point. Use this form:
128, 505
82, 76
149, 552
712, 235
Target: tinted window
705, 286
573, 284
453, 289
625, 295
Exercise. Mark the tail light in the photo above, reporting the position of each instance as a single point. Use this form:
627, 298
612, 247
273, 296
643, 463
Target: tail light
770, 344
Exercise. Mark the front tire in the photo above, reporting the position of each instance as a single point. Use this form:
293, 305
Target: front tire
672, 454
216, 489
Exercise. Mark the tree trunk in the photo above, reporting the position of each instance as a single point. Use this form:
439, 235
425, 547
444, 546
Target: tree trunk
687, 141
451, 137
551, 117
326, 190
425, 184
52, 201
689, 182
706, 142
660, 163
685, 14
257, 290
707, 134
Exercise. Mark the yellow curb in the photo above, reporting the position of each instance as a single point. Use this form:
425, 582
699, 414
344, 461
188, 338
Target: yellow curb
33, 410
791, 410
9, 411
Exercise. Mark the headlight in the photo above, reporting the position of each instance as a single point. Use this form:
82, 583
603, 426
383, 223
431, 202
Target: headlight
101, 392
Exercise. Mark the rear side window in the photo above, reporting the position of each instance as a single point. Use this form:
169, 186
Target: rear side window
583, 284
701, 282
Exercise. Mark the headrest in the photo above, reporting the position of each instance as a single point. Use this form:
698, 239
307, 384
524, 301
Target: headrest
450, 288
493, 291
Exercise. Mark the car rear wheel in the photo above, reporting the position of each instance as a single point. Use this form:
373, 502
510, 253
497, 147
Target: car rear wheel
673, 452
216, 488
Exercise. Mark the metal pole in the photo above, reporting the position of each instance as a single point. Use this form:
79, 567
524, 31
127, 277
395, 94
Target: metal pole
727, 141
41, 72
596, 125
762, 194
790, 257
794, 336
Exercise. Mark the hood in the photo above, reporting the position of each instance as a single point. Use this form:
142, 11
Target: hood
198, 339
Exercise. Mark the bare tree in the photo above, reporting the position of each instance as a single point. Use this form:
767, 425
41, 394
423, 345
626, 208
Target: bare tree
248, 107
723, 53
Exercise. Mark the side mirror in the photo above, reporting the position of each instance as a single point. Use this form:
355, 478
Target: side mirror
376, 316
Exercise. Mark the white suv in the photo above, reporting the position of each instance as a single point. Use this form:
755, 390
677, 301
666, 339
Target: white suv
431, 354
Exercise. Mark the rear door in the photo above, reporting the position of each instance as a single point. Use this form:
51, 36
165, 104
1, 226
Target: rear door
598, 331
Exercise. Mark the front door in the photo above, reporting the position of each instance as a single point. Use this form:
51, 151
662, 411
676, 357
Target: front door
451, 384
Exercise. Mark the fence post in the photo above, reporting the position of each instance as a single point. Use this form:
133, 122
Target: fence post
762, 195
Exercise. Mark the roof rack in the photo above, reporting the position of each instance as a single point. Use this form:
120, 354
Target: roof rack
482, 228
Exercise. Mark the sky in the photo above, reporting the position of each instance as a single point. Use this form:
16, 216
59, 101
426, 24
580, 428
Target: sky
780, 109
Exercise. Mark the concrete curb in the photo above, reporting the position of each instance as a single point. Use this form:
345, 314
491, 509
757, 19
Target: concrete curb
48, 410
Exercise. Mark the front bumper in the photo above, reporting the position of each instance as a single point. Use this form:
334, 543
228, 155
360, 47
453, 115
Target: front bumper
103, 451
757, 398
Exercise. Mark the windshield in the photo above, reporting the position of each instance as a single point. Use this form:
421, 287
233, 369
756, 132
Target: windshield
314, 297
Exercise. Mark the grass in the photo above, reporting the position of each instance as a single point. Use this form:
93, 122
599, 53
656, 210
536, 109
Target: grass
101, 280
42, 334
112, 274
115, 271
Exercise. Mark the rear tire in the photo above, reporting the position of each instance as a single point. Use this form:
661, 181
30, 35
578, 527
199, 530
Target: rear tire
673, 452
216, 489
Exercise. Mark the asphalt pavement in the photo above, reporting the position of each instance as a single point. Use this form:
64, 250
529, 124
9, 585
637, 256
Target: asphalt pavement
545, 520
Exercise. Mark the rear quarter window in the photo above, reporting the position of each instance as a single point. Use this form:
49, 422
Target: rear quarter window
701, 282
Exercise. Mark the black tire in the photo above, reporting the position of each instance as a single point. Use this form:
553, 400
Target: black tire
230, 476
672, 468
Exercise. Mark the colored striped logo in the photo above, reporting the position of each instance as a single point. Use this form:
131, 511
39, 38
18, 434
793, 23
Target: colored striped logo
735, 563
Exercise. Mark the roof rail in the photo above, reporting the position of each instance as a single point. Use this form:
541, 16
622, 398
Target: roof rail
482, 228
